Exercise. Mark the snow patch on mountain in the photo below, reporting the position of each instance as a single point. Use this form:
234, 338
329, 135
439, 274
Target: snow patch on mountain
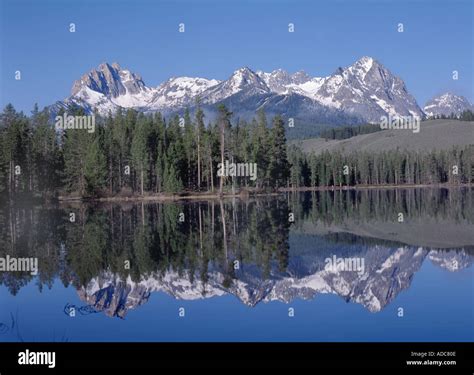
446, 104
363, 91
180, 92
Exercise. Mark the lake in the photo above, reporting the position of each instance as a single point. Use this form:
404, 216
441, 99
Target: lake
354, 265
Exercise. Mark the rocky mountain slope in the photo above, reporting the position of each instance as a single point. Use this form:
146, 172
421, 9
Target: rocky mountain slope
361, 92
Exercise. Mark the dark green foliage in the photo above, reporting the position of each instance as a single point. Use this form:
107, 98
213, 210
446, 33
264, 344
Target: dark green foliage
134, 153
349, 131
466, 115
395, 167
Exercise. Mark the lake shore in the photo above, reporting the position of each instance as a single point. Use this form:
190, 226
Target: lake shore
159, 197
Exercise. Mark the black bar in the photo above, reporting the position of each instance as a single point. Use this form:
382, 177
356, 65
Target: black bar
80, 356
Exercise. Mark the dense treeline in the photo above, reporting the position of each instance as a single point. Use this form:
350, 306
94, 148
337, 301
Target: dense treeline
394, 167
30, 156
349, 131
136, 153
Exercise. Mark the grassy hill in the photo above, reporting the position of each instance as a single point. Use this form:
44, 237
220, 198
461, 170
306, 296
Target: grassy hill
434, 134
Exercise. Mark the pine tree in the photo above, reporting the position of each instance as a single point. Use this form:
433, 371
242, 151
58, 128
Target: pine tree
76, 143
261, 147
46, 156
189, 144
278, 164
95, 168
139, 150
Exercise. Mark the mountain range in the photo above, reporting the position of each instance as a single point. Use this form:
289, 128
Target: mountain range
359, 93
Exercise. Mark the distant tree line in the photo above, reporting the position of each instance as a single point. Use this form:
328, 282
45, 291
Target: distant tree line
466, 115
394, 167
346, 132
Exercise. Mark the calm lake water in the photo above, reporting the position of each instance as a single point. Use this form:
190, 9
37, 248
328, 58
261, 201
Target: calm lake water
373, 265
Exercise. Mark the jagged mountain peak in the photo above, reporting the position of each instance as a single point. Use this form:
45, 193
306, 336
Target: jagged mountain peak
280, 81
367, 68
110, 67
300, 77
110, 80
245, 76
368, 90
446, 104
366, 62
243, 80
244, 70
361, 92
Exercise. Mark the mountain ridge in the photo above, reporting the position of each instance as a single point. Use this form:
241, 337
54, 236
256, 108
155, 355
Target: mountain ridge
359, 93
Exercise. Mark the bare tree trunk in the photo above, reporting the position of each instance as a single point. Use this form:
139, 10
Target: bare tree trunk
199, 158
120, 174
221, 186
233, 180
12, 229
234, 216
10, 177
111, 184
211, 173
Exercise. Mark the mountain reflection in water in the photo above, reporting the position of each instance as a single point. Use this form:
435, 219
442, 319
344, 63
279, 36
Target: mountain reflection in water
245, 248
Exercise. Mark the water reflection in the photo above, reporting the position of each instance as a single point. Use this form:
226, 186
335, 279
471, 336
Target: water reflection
118, 255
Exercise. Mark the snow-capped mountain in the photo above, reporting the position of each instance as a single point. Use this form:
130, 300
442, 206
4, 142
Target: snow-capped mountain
179, 92
365, 89
279, 81
388, 271
368, 89
108, 88
446, 104
361, 92
243, 81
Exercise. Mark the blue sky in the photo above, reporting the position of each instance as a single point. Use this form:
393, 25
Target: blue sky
222, 36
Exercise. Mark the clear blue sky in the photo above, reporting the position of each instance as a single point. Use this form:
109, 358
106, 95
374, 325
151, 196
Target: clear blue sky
222, 36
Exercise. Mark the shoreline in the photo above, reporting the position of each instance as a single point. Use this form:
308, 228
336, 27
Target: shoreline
375, 187
161, 197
